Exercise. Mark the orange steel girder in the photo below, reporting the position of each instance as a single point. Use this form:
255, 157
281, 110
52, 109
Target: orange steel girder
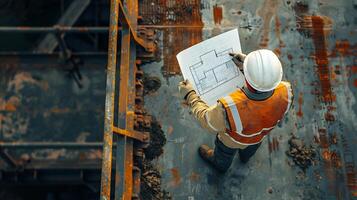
127, 13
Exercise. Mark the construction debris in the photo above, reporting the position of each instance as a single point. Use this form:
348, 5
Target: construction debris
270, 190
150, 188
151, 84
302, 155
157, 141
151, 183
150, 176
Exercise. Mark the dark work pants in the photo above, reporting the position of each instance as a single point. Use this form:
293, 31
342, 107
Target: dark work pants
223, 155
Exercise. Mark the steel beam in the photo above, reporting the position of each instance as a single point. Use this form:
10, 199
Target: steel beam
82, 29
109, 102
124, 152
50, 145
128, 16
73, 12
124, 162
141, 136
53, 29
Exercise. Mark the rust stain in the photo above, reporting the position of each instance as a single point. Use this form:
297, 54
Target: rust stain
195, 177
21, 79
344, 49
329, 117
57, 110
9, 105
326, 154
277, 31
300, 8
290, 57
176, 176
277, 51
333, 157
324, 142
302, 58
170, 130
175, 39
266, 12
355, 83
273, 145
318, 25
354, 69
300, 101
350, 168
217, 14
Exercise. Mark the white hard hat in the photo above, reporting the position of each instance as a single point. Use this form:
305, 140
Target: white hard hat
262, 70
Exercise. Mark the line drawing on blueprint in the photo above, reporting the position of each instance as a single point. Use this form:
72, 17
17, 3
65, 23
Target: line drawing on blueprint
221, 70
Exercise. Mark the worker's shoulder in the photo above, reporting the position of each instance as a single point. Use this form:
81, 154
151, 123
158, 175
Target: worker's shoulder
285, 84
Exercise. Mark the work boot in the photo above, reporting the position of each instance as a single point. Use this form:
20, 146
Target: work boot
207, 154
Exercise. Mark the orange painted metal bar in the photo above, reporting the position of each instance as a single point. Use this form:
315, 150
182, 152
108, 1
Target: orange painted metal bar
109, 102
124, 173
124, 162
141, 136
129, 13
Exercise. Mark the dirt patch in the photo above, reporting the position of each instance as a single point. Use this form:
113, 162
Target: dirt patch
150, 188
157, 141
151, 84
302, 155
151, 183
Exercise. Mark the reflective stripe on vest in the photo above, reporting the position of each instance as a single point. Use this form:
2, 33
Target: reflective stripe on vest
250, 121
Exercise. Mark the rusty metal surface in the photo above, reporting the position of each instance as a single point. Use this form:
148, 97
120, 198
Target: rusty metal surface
141, 136
124, 181
58, 150
68, 18
126, 94
182, 27
316, 42
109, 102
56, 28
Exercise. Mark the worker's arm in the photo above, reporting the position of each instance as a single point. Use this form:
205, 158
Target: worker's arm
210, 117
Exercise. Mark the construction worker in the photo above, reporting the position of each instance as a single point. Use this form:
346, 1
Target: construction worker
243, 118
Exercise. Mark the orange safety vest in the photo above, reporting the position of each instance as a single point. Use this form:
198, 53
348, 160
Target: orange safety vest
251, 120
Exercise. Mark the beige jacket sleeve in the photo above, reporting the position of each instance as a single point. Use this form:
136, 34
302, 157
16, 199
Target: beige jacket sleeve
212, 118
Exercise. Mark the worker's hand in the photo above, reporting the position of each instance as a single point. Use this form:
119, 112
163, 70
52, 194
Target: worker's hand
238, 59
185, 88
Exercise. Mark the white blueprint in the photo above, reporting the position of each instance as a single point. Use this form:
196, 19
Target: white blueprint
209, 67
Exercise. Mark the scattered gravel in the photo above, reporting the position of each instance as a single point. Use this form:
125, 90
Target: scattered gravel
302, 155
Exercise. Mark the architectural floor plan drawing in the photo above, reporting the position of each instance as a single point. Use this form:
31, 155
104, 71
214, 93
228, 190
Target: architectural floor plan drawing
209, 67
213, 70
